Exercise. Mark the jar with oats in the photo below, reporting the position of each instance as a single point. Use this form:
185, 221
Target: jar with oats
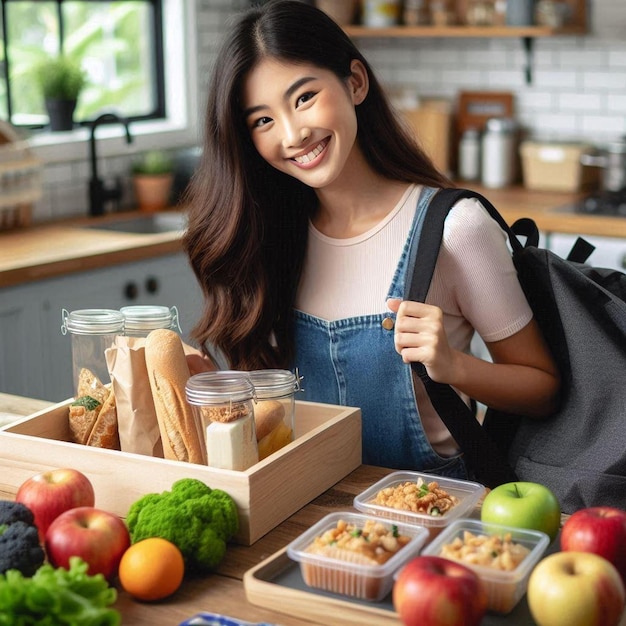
274, 408
223, 404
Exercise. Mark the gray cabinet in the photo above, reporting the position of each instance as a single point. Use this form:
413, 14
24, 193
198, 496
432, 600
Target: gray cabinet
31, 317
21, 371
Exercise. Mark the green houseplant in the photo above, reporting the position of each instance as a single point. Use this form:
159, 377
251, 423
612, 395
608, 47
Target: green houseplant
153, 179
61, 80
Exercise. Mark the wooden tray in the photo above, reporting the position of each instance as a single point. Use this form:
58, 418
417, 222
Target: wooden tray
327, 447
276, 584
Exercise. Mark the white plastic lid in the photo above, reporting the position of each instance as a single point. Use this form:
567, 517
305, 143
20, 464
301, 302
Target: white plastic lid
92, 322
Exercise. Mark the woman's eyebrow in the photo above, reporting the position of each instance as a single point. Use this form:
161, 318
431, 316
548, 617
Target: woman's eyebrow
288, 93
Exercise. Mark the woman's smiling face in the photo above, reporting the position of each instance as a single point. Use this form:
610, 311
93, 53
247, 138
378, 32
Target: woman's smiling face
302, 118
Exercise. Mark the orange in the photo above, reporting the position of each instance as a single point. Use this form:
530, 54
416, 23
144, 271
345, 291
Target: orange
151, 569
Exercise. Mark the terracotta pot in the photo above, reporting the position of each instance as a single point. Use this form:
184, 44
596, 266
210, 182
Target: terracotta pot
153, 192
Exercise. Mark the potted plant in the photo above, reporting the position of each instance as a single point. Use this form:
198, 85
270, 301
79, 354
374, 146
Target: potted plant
153, 178
61, 80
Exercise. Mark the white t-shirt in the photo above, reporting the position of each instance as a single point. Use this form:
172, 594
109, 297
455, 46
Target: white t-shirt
351, 277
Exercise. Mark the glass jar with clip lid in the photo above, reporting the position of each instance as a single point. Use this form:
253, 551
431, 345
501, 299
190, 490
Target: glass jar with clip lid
223, 405
92, 331
274, 408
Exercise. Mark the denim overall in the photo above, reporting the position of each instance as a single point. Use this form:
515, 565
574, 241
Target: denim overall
353, 362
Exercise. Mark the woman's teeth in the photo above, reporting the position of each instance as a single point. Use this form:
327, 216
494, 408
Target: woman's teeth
311, 155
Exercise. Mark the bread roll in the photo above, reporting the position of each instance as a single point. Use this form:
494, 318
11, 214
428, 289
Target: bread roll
268, 414
104, 433
93, 414
168, 374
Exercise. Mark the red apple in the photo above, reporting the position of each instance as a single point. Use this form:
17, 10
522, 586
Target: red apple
601, 530
50, 493
433, 591
98, 537
575, 589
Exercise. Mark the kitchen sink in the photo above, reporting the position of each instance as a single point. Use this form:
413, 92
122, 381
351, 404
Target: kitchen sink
152, 224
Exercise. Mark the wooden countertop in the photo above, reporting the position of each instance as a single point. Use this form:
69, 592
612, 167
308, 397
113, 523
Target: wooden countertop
46, 251
50, 250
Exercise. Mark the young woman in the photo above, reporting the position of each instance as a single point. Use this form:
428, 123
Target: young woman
308, 195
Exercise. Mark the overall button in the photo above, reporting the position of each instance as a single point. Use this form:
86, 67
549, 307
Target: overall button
388, 323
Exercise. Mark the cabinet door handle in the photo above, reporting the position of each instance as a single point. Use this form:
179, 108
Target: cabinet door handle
131, 291
152, 284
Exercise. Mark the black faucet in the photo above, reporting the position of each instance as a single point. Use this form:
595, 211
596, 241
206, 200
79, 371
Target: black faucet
99, 193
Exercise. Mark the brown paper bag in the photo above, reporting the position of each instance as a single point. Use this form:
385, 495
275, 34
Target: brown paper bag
137, 421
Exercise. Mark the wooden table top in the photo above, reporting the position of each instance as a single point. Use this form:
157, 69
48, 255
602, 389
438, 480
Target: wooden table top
223, 592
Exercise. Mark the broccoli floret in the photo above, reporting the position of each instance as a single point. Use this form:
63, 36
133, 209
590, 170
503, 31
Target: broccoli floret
20, 548
197, 519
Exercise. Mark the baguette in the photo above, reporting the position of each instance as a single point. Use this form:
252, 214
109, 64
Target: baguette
168, 374
268, 414
104, 433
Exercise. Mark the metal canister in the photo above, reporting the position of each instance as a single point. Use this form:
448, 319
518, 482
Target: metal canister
499, 153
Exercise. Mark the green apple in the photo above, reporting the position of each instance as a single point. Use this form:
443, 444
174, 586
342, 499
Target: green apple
523, 505
575, 589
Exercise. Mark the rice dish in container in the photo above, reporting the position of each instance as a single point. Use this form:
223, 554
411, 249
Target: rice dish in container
354, 554
410, 497
503, 557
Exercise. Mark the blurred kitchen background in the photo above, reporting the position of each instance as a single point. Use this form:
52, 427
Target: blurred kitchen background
576, 91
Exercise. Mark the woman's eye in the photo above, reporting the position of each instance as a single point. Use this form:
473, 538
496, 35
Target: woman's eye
261, 122
305, 97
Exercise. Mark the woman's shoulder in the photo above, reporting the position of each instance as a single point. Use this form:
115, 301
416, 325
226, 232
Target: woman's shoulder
469, 226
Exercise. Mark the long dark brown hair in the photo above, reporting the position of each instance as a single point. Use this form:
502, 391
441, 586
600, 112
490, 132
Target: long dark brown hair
247, 221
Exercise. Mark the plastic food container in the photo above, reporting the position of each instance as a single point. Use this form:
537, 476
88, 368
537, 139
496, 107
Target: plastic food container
366, 582
467, 492
504, 588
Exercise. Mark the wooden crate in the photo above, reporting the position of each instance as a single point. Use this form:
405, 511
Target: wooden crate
327, 447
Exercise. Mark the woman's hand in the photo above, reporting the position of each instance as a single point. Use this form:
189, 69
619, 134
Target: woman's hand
420, 337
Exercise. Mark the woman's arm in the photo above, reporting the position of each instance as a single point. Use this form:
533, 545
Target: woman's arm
523, 377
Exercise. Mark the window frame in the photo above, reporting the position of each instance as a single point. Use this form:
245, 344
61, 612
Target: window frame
179, 126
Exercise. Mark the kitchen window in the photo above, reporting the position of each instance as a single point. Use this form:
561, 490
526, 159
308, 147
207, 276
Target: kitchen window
119, 45
139, 58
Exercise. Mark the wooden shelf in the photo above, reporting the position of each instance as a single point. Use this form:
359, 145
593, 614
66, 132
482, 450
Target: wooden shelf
576, 25
463, 31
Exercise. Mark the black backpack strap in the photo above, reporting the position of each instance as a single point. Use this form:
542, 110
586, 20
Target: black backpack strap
483, 457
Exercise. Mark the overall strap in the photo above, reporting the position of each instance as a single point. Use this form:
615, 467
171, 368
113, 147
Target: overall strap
483, 457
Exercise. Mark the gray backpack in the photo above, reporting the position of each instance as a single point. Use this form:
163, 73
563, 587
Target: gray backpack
580, 451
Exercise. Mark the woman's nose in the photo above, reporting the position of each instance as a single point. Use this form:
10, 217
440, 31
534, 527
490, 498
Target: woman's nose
295, 135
